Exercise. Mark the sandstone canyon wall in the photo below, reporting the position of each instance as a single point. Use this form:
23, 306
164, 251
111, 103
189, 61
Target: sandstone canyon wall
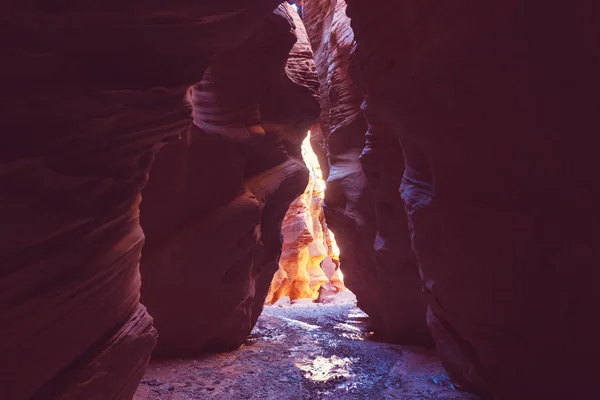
215, 201
309, 264
362, 203
90, 92
495, 106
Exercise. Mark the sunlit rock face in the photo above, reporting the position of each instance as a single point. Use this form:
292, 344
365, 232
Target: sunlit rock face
309, 258
213, 208
495, 105
90, 91
362, 204
349, 207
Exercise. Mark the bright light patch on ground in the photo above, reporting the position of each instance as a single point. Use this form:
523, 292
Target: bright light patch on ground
300, 324
322, 369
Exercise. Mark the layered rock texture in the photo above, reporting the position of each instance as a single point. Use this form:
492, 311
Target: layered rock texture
309, 264
214, 205
362, 203
484, 113
495, 107
90, 92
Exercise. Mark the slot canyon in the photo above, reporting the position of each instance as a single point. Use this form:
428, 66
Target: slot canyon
308, 199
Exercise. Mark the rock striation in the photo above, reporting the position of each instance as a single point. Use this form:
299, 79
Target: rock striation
309, 264
90, 92
362, 203
499, 185
484, 113
215, 201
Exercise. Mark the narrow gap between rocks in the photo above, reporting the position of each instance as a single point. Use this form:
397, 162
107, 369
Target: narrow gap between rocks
311, 340
309, 268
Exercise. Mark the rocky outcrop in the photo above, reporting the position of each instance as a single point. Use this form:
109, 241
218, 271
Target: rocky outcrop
214, 205
499, 185
309, 263
363, 204
90, 92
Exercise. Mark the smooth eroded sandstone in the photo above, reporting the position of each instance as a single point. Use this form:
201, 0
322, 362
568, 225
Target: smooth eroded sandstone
362, 202
213, 208
90, 92
309, 263
495, 106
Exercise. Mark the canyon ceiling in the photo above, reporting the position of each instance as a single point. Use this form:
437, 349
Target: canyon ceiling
456, 138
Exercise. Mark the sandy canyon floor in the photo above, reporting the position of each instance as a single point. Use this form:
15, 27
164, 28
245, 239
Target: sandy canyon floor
304, 352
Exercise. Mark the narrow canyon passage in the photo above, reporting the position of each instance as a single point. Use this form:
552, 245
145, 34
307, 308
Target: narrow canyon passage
311, 340
305, 351
163, 237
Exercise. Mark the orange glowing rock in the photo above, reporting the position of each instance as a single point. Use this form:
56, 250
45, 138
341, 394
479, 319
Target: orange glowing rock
309, 261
